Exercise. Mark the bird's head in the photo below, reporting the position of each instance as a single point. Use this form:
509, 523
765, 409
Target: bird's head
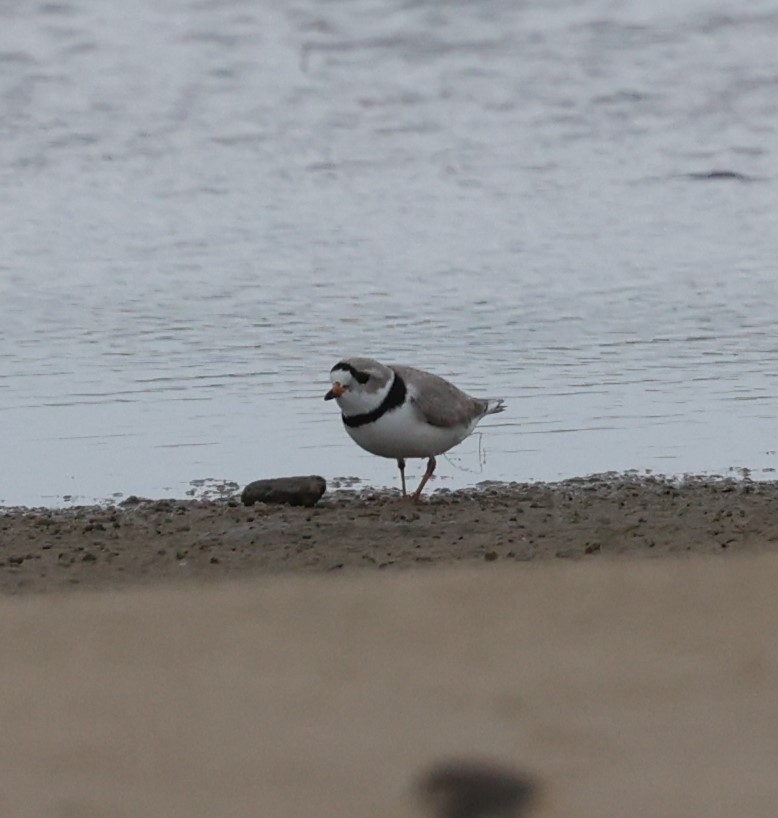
358, 384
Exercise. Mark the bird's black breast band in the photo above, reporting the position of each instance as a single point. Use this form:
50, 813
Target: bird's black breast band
394, 398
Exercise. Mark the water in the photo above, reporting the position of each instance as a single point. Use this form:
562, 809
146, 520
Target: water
205, 205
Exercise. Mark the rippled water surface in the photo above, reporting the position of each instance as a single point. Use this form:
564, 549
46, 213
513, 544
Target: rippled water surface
204, 205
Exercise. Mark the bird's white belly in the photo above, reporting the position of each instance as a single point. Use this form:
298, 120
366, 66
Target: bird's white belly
400, 433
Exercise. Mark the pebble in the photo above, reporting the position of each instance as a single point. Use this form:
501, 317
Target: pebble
475, 789
294, 491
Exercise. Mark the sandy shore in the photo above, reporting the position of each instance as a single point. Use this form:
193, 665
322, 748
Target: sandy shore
594, 518
263, 661
639, 688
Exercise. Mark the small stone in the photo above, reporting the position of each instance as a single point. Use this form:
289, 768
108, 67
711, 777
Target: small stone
491, 556
88, 557
294, 491
475, 789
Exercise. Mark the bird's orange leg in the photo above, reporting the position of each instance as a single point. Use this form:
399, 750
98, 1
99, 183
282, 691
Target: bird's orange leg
401, 467
431, 463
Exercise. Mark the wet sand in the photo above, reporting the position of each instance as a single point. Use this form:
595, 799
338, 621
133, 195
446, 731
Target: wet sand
266, 661
143, 542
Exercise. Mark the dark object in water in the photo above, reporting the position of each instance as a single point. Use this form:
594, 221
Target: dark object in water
719, 175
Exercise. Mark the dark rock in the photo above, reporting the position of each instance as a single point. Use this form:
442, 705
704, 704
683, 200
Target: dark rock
474, 789
295, 491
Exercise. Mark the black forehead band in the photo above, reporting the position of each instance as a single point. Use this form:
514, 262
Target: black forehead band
360, 377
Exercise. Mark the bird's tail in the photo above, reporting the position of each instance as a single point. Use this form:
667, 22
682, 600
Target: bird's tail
494, 405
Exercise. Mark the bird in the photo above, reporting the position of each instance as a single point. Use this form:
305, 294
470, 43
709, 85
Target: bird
401, 412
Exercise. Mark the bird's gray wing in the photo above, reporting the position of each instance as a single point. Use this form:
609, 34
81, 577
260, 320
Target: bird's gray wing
437, 401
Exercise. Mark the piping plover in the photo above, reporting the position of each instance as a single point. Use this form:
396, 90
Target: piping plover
399, 412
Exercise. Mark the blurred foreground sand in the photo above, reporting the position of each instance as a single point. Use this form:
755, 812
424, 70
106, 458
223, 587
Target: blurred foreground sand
635, 688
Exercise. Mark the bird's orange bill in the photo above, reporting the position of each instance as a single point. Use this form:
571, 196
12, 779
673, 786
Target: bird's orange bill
336, 391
